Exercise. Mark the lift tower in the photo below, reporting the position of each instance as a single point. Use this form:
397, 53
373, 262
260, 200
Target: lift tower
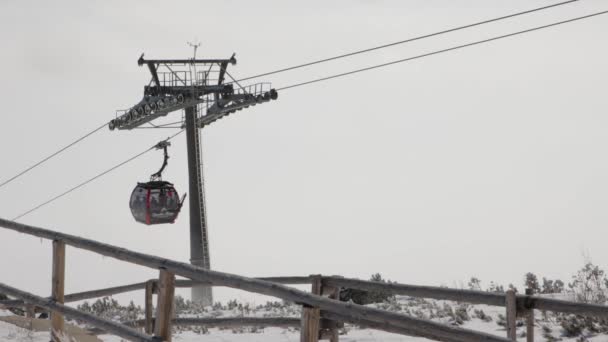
197, 87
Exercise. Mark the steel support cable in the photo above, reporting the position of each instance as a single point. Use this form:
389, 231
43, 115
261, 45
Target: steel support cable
406, 40
92, 179
52, 155
313, 63
537, 28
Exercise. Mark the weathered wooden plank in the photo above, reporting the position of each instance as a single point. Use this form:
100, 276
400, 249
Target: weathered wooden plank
57, 289
332, 326
164, 307
309, 329
49, 304
279, 280
415, 326
149, 327
78, 296
530, 325
511, 306
475, 297
30, 311
529, 314
557, 305
74, 297
384, 326
211, 322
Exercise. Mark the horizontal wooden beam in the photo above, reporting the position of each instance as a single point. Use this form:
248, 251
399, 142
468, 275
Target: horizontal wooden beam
229, 322
78, 296
476, 297
371, 325
415, 326
74, 297
443, 293
105, 324
550, 304
278, 280
11, 303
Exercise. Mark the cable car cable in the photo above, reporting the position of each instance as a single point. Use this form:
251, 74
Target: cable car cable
53, 155
92, 179
442, 51
406, 40
309, 64
320, 80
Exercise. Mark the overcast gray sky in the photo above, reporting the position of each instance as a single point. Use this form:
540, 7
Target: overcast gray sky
487, 162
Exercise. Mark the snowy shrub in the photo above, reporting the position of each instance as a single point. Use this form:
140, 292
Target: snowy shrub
572, 325
589, 284
474, 284
501, 320
552, 286
531, 282
481, 315
109, 308
547, 334
366, 297
496, 288
461, 314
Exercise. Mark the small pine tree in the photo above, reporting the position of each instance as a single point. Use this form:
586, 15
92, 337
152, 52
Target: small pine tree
590, 284
496, 288
548, 286
531, 282
475, 284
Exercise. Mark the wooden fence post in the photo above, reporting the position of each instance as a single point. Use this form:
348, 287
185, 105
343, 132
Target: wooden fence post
57, 289
530, 319
30, 311
164, 309
149, 325
309, 330
328, 328
511, 304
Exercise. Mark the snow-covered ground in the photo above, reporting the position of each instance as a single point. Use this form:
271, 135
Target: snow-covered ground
9, 332
481, 318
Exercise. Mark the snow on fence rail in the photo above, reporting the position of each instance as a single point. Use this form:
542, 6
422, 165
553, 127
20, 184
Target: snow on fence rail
312, 303
169, 268
105, 324
223, 322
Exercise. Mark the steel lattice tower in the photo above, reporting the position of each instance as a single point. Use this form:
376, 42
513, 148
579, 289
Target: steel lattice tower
197, 87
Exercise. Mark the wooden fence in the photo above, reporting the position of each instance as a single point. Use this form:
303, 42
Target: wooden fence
321, 311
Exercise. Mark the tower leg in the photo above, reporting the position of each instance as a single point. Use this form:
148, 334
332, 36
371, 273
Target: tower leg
199, 244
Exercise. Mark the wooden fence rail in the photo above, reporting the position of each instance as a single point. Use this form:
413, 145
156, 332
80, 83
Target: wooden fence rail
226, 322
107, 325
524, 302
350, 312
182, 283
474, 297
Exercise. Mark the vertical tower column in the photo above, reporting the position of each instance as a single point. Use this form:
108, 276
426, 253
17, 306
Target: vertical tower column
199, 244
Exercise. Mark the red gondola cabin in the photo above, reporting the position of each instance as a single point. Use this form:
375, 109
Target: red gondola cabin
155, 202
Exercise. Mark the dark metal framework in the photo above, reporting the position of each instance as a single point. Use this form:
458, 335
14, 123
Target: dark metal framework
180, 83
197, 87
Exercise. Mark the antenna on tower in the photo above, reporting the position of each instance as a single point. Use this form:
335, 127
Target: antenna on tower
195, 47
192, 66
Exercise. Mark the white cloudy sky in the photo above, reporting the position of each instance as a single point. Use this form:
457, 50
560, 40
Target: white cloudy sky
486, 162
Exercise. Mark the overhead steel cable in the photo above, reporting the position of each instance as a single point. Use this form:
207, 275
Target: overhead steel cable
442, 51
92, 179
406, 41
313, 63
52, 155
